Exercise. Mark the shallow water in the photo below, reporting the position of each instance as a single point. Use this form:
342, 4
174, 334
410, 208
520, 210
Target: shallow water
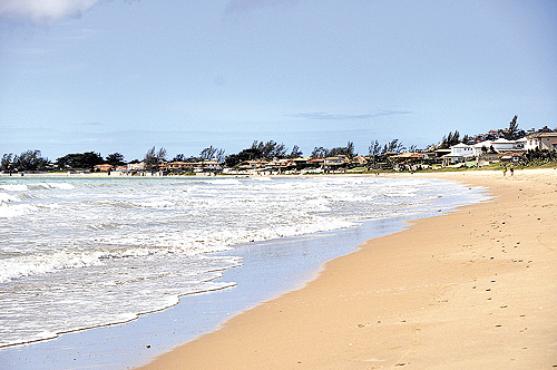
79, 253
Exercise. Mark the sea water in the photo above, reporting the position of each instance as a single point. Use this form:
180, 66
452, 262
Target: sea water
78, 253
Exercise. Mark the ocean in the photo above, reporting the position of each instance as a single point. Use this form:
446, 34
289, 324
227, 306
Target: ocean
78, 253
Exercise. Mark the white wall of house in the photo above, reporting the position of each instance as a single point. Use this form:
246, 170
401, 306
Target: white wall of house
462, 150
136, 166
499, 145
531, 143
502, 145
478, 148
548, 142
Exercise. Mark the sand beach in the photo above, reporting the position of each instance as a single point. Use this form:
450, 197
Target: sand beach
473, 289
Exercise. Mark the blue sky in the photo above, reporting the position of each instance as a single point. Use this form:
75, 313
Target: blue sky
123, 75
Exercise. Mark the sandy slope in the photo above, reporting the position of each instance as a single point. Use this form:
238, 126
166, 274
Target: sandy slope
476, 289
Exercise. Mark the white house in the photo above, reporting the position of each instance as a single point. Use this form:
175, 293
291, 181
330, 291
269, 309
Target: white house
542, 140
136, 167
338, 160
481, 148
500, 145
459, 153
503, 145
521, 143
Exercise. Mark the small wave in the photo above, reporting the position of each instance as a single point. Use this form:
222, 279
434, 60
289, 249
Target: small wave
27, 265
40, 185
51, 185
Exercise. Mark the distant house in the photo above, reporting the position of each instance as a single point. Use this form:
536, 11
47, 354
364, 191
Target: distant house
300, 162
190, 167
408, 157
105, 167
408, 160
315, 162
504, 145
208, 167
137, 168
336, 161
500, 145
513, 157
459, 153
359, 160
254, 166
279, 166
481, 147
439, 153
542, 140
177, 166
120, 170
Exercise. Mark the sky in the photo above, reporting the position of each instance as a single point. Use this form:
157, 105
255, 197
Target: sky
124, 75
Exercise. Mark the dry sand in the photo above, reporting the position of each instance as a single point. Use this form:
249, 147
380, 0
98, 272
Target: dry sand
476, 289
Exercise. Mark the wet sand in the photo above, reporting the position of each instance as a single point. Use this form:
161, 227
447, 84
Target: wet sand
473, 289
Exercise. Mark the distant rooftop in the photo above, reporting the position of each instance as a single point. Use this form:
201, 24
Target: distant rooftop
544, 134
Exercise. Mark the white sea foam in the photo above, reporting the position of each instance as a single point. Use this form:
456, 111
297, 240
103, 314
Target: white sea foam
52, 185
14, 187
36, 185
223, 182
84, 253
15, 210
7, 198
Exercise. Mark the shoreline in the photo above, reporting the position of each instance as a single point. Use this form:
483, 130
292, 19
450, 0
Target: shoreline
355, 332
303, 264
261, 278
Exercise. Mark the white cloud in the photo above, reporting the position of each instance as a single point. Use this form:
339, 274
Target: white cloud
44, 11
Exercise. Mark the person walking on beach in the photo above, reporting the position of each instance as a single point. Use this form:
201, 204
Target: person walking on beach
512, 171
505, 171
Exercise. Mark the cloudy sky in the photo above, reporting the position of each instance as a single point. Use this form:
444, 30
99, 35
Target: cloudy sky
123, 75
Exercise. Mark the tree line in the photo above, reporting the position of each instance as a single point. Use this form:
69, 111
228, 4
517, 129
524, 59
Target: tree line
512, 132
32, 160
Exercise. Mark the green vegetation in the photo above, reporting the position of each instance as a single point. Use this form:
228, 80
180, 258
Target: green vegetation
382, 157
79, 160
259, 150
321, 152
115, 159
30, 160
